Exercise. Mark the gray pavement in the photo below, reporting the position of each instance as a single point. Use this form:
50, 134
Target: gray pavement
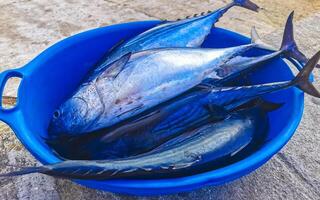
28, 27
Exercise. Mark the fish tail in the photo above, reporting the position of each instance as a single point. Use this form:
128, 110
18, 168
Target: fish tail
24, 171
246, 4
302, 79
289, 46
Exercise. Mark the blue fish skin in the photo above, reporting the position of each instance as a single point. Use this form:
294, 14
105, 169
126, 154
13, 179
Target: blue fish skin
201, 146
137, 82
183, 33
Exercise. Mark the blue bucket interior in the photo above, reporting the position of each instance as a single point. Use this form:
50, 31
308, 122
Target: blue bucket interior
56, 73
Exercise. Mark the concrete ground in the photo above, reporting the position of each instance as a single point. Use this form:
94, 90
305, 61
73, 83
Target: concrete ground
29, 26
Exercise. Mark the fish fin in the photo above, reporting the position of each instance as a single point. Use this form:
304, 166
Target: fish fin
101, 65
269, 106
302, 79
115, 68
255, 38
289, 46
204, 86
247, 4
176, 141
164, 21
134, 109
146, 116
193, 160
265, 105
116, 45
216, 112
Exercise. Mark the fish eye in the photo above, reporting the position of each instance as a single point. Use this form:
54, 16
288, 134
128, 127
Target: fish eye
56, 114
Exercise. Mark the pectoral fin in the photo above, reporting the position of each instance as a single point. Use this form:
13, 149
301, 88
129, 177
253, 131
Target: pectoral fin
116, 45
189, 161
115, 68
217, 113
266, 106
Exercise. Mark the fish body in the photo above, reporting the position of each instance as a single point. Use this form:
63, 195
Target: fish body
137, 82
200, 146
190, 32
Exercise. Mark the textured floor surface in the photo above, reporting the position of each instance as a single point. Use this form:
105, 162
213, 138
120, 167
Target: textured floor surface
28, 27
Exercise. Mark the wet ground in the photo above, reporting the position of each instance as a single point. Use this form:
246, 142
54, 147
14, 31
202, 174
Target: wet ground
28, 27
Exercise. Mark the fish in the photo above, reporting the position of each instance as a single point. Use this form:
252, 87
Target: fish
190, 32
206, 103
137, 82
187, 153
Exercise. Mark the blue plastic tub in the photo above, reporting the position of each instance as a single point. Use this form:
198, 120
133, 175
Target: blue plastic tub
54, 74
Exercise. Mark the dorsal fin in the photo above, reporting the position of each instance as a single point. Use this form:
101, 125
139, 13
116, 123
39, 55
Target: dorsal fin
101, 63
255, 38
217, 112
119, 43
163, 21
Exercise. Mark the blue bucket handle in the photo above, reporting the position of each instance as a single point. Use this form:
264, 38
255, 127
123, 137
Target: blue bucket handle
9, 115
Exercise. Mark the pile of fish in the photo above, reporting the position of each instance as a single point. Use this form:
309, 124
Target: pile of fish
160, 105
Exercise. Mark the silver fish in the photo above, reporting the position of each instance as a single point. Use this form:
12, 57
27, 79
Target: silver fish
189, 32
199, 147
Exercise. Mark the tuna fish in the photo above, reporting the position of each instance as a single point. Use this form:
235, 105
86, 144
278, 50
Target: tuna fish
189, 32
191, 151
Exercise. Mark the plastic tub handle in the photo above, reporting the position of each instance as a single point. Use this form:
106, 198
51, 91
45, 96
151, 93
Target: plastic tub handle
7, 115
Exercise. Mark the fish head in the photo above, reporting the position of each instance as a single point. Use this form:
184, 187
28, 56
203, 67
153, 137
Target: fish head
78, 114
70, 117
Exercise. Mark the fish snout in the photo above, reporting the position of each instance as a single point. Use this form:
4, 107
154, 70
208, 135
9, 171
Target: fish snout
70, 118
